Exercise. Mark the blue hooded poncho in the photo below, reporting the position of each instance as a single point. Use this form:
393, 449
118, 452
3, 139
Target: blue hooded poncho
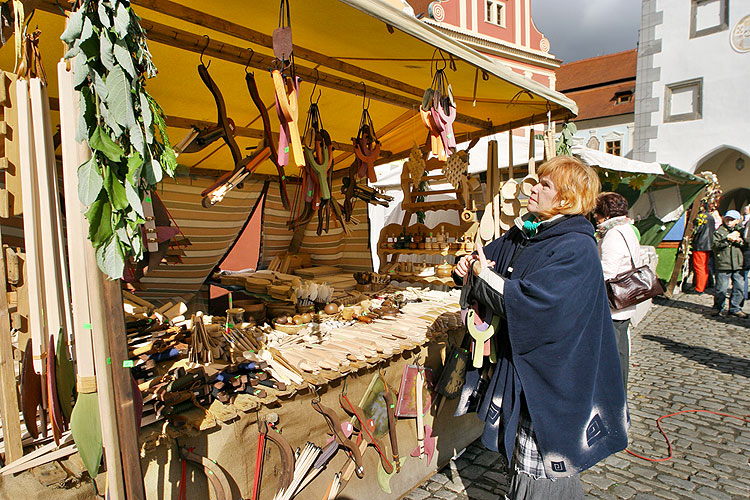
556, 349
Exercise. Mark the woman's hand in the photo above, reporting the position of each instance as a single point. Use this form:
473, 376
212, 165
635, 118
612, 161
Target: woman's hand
480, 261
463, 264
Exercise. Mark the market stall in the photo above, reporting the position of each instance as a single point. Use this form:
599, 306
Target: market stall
209, 392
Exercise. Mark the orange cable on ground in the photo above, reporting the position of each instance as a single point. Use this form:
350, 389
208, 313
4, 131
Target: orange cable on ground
669, 444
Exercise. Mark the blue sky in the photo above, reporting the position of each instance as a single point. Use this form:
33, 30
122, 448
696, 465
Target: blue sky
579, 29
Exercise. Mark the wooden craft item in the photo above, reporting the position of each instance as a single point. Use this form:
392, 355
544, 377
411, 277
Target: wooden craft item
31, 393
415, 165
65, 378
481, 333
510, 187
531, 178
456, 168
13, 446
510, 207
487, 222
58, 315
286, 94
405, 404
317, 272
53, 402
85, 424
32, 237
425, 441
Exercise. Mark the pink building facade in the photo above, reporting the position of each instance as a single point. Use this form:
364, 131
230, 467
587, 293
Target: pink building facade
502, 29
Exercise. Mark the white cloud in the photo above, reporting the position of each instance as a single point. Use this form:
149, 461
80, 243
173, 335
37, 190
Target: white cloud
579, 29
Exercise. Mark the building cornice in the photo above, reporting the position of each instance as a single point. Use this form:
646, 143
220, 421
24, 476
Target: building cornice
496, 47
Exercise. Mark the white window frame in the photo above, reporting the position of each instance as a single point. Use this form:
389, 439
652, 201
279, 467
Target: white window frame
696, 87
492, 18
723, 18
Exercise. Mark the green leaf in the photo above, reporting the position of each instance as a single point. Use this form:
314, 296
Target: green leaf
109, 120
99, 85
87, 120
74, 27
104, 16
99, 216
101, 141
124, 58
134, 199
148, 118
115, 189
73, 51
90, 182
105, 50
110, 258
152, 170
119, 101
135, 164
122, 20
80, 72
89, 40
136, 138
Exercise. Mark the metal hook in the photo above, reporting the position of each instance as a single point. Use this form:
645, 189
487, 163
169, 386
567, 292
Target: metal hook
208, 40
252, 53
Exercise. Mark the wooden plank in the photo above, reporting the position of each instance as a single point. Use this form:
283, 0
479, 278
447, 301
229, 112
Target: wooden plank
8, 388
10, 115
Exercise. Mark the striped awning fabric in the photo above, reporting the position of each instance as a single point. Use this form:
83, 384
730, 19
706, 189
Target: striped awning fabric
211, 232
349, 252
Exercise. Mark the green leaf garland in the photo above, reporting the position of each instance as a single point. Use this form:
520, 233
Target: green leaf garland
122, 123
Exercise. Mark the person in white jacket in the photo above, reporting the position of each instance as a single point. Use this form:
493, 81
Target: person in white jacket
619, 251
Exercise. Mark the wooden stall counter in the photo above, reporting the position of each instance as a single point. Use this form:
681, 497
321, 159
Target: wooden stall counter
422, 335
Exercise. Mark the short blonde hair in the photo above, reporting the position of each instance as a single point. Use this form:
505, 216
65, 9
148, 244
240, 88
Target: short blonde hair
577, 185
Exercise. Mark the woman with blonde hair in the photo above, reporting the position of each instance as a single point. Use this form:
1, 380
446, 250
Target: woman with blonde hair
553, 402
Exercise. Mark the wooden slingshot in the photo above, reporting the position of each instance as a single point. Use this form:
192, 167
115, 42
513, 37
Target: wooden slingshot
243, 166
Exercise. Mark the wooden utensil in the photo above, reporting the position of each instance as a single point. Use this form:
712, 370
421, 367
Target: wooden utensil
531, 179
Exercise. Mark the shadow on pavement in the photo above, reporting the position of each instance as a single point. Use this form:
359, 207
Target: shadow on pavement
725, 363
699, 309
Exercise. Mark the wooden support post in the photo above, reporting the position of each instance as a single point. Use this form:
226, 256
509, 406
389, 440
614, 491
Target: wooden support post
682, 250
123, 387
8, 387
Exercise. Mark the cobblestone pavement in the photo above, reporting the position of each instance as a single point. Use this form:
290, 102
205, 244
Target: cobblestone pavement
681, 359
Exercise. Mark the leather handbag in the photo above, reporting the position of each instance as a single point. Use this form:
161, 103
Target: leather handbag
634, 286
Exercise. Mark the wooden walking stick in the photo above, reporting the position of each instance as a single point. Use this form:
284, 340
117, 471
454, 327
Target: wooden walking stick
85, 421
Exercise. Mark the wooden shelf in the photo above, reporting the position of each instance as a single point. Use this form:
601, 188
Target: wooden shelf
416, 251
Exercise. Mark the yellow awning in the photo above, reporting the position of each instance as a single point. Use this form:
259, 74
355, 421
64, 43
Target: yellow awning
349, 46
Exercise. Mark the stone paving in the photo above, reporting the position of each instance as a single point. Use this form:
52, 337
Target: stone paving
681, 359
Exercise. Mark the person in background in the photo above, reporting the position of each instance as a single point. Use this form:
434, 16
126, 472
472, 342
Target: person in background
746, 251
701, 245
553, 403
728, 260
619, 252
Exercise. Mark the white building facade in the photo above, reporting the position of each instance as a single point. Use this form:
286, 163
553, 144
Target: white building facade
692, 107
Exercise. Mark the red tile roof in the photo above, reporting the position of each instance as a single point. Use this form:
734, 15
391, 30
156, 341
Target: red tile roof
596, 71
600, 101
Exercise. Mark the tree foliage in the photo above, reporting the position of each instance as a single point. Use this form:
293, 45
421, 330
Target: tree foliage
122, 123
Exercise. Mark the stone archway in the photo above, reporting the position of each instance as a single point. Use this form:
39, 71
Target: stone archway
732, 167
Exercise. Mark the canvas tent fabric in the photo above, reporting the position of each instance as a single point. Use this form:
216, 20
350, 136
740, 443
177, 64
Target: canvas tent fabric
392, 69
662, 195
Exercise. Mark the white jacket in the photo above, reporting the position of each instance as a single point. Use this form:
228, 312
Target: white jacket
614, 251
